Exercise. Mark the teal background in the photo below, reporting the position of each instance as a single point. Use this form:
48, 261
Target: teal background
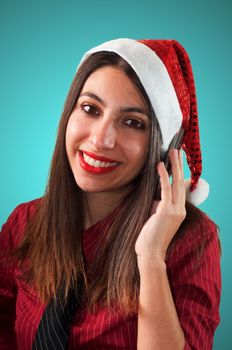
41, 45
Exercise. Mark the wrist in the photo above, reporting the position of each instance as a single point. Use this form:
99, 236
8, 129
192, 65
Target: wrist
151, 263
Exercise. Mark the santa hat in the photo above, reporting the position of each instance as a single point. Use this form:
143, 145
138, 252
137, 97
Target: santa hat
165, 71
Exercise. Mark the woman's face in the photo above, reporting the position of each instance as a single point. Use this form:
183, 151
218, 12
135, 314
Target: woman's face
108, 132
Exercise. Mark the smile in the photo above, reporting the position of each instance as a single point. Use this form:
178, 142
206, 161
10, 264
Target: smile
96, 166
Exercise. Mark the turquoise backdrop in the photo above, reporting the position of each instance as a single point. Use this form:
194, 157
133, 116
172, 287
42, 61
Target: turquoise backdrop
41, 45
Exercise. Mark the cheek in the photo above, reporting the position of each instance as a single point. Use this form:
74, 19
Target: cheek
75, 132
137, 151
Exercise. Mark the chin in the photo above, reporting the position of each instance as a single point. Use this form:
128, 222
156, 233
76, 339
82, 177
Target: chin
88, 187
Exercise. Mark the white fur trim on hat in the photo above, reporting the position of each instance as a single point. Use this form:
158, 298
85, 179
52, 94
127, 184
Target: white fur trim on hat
199, 194
155, 80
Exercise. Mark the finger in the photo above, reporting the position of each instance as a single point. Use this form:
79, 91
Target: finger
175, 164
177, 176
182, 173
166, 191
181, 163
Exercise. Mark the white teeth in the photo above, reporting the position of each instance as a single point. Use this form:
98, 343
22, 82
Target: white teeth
91, 161
97, 163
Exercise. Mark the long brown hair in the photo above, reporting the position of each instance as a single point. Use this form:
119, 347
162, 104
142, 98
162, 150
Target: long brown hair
52, 240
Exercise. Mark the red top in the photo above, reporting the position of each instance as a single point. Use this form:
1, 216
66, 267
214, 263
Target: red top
196, 293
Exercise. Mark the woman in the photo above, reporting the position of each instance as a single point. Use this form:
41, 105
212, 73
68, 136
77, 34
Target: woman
111, 257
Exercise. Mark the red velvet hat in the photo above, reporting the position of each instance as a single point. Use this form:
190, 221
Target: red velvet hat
165, 71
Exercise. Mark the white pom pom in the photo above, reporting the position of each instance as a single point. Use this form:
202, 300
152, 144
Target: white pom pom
200, 193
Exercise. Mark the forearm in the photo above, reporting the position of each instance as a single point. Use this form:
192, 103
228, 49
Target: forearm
158, 324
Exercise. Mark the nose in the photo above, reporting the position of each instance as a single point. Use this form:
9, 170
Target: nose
103, 134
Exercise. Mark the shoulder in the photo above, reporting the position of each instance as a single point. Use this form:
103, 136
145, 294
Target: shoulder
193, 268
13, 228
193, 264
23, 212
197, 232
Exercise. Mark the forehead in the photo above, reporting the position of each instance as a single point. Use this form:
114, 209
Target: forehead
111, 83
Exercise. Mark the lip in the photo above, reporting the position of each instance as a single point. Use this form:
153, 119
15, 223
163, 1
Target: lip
94, 170
97, 157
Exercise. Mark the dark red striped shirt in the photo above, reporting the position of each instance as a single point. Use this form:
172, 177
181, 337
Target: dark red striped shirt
195, 285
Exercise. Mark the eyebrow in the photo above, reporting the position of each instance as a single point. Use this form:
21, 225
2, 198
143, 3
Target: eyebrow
125, 109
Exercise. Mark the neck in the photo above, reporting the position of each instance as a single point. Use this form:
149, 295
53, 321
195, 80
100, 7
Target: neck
99, 205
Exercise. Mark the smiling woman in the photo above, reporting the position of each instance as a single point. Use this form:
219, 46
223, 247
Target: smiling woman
107, 129
113, 256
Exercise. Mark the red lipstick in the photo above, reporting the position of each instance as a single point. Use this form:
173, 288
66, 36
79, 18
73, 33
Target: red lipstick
101, 158
95, 170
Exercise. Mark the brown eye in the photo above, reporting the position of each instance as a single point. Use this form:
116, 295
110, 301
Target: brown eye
89, 109
134, 123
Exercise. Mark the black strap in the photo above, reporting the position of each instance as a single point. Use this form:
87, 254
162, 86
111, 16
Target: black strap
53, 330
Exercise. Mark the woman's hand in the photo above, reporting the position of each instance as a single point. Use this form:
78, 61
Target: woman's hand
167, 214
